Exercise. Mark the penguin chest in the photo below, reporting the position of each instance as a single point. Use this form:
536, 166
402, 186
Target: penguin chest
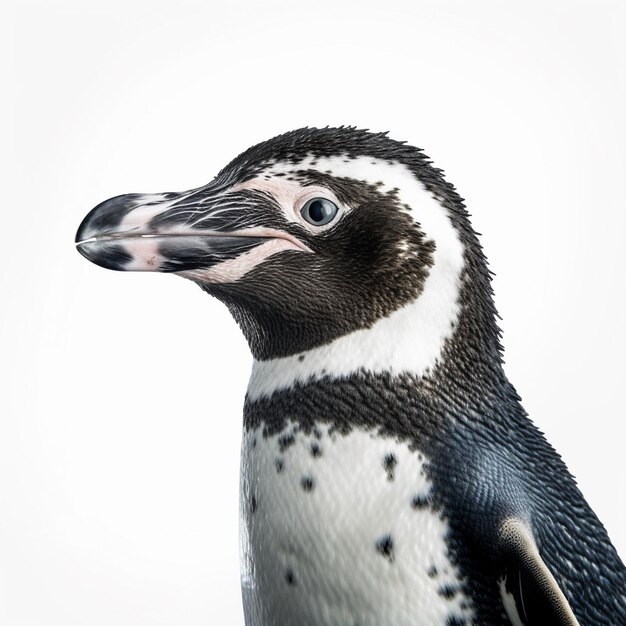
338, 529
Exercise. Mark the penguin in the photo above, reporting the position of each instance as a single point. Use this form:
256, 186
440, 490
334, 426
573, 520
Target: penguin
389, 473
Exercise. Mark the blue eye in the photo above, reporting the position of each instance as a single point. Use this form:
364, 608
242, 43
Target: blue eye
319, 211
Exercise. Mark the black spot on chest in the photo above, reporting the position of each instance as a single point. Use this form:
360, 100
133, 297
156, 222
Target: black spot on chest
384, 546
389, 463
419, 502
290, 577
286, 441
448, 591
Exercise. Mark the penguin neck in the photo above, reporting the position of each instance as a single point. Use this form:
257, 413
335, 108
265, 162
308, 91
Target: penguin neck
466, 387
449, 333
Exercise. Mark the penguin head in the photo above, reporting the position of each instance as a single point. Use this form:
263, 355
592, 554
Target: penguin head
308, 237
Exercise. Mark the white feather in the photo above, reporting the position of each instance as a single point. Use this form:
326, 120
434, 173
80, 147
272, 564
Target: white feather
326, 537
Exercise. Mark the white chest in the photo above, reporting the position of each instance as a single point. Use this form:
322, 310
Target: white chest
337, 530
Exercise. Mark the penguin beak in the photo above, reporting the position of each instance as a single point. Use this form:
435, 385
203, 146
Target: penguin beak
170, 232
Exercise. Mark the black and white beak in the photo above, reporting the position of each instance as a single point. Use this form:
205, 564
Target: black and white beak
172, 232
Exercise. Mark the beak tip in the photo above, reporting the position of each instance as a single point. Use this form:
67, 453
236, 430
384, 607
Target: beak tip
80, 234
109, 255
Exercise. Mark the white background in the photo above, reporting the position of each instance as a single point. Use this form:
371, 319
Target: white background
121, 393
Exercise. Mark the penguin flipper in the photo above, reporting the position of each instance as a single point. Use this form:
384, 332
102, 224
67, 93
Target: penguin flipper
529, 591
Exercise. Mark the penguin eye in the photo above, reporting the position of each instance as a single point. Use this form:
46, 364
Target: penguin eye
319, 211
